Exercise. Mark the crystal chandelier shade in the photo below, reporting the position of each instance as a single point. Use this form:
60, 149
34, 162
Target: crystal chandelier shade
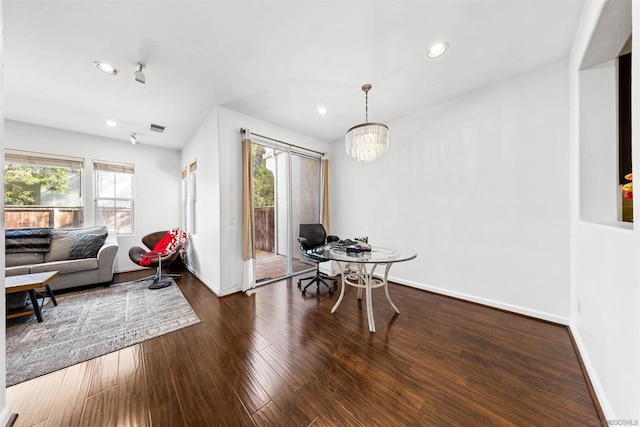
367, 141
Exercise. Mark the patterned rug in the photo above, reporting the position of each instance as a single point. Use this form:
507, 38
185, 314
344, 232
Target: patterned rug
90, 323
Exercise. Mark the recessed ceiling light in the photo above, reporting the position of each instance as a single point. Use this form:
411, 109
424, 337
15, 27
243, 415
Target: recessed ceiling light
111, 123
106, 68
437, 49
322, 111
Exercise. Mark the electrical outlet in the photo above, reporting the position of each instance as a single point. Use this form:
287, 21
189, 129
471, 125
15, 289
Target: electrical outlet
232, 221
579, 307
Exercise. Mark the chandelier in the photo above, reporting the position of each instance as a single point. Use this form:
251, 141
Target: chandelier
367, 141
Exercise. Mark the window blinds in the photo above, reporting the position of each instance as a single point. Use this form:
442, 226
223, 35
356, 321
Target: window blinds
41, 159
113, 167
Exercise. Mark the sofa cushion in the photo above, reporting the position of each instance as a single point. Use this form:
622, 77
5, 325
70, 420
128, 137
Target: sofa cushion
12, 260
64, 267
16, 271
62, 239
86, 245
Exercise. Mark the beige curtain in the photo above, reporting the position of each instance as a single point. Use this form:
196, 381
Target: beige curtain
248, 247
324, 215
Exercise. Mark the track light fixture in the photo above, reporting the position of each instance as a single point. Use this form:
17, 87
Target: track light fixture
139, 76
134, 139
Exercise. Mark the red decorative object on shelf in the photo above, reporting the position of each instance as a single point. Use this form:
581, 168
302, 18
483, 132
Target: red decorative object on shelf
627, 189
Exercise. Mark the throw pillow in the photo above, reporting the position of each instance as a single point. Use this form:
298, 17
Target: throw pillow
86, 245
62, 239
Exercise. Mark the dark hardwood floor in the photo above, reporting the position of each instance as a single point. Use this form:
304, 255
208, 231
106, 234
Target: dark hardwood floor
273, 357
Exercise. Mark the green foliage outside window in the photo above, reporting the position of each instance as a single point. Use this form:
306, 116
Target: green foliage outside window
22, 183
263, 180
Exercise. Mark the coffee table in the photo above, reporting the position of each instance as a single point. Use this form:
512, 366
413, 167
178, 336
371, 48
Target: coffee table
29, 283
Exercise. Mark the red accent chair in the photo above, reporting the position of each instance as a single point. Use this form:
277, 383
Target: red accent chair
137, 254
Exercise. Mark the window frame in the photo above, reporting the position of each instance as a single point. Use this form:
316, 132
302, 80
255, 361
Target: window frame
21, 157
114, 167
192, 196
184, 190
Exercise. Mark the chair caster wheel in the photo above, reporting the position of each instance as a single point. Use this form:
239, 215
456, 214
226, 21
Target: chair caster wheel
299, 285
304, 293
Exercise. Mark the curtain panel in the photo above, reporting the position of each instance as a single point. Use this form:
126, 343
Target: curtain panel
248, 231
324, 214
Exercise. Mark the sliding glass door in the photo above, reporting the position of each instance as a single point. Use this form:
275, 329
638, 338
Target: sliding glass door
305, 201
286, 193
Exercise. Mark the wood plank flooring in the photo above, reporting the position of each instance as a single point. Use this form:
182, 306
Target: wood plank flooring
272, 357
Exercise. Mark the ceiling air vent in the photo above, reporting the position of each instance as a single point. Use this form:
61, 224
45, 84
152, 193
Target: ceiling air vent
156, 128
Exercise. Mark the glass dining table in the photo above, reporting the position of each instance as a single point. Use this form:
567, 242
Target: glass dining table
358, 270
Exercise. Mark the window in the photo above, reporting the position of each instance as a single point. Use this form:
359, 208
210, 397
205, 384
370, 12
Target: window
42, 190
185, 201
193, 197
114, 196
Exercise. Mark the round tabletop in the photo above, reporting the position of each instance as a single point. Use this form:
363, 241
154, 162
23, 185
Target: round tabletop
377, 255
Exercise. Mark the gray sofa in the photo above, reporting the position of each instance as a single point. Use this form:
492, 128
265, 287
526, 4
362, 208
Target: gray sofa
71, 272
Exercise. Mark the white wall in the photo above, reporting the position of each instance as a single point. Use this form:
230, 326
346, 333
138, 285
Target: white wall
5, 411
605, 263
157, 176
218, 143
479, 188
205, 245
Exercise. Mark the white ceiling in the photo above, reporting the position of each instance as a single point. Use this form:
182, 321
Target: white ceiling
273, 60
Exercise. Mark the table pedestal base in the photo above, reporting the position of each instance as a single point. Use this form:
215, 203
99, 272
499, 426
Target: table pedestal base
364, 279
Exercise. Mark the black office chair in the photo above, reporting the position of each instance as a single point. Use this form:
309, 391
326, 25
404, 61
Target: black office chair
311, 237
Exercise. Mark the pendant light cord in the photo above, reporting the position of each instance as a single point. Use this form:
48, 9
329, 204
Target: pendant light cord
366, 106
366, 88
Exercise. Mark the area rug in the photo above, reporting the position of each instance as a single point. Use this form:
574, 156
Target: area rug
90, 323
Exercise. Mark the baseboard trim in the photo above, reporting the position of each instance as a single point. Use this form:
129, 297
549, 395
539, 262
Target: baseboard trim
459, 295
485, 301
228, 292
595, 388
204, 282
